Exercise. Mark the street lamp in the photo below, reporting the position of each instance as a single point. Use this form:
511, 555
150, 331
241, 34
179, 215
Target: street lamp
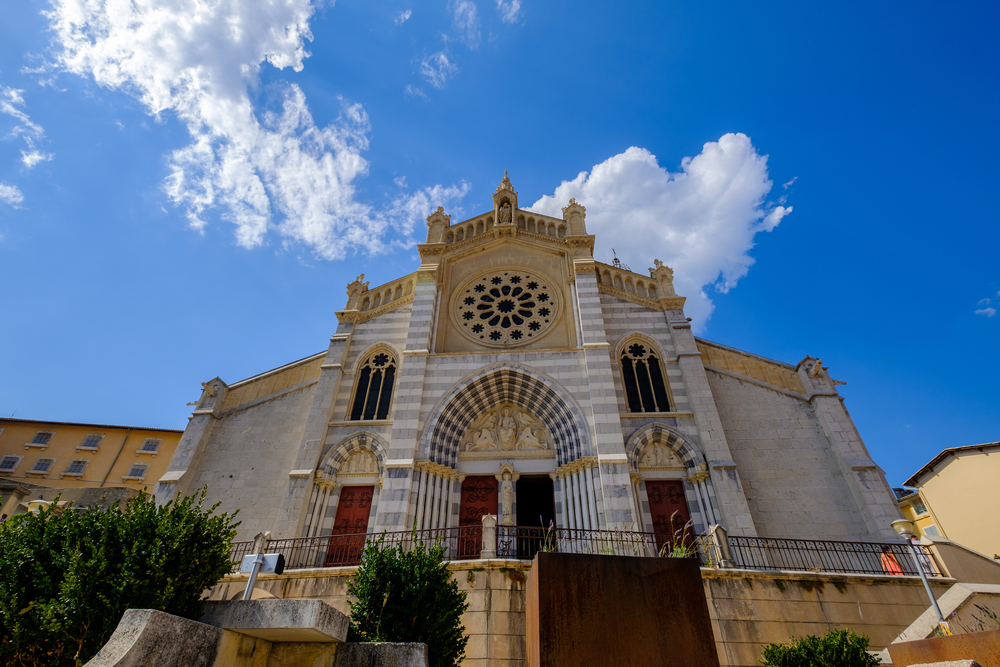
905, 530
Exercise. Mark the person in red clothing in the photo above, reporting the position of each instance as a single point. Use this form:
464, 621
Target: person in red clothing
889, 563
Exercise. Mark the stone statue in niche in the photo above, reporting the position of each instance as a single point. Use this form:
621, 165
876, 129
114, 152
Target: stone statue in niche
506, 428
505, 213
506, 500
362, 462
657, 455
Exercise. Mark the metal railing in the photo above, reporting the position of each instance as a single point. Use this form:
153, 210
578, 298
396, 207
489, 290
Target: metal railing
775, 553
523, 542
238, 551
460, 543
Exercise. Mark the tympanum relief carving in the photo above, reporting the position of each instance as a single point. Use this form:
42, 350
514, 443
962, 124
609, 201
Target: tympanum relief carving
508, 430
359, 463
659, 456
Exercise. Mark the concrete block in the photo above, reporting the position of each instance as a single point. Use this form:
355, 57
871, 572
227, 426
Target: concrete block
381, 655
278, 620
148, 638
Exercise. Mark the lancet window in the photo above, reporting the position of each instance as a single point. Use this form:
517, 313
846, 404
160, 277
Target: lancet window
642, 375
373, 393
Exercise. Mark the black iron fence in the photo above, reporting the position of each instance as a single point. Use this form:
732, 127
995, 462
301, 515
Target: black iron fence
775, 553
523, 542
460, 543
238, 551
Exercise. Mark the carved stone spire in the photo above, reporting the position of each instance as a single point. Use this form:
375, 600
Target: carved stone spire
505, 183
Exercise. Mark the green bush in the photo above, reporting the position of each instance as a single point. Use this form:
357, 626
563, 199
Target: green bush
408, 596
838, 648
67, 578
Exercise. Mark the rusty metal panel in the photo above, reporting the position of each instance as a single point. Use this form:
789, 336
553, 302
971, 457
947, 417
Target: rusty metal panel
983, 647
586, 610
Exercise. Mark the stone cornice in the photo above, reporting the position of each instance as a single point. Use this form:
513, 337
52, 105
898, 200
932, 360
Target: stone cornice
573, 467
628, 296
385, 308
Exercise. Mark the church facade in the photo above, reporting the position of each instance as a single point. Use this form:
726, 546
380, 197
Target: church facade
513, 374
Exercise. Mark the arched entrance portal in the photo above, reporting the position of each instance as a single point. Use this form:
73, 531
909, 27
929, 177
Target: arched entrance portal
503, 417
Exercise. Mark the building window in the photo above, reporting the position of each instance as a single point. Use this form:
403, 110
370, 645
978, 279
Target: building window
42, 466
642, 376
919, 507
41, 439
92, 441
76, 467
150, 446
9, 462
374, 391
137, 471
931, 530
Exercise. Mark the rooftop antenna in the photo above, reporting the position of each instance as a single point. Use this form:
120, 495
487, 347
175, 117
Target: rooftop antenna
617, 263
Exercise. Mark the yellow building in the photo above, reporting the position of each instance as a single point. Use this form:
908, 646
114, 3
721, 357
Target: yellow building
955, 497
67, 455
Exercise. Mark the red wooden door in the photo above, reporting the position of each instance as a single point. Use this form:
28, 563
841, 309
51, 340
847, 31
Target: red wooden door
348, 537
669, 511
479, 497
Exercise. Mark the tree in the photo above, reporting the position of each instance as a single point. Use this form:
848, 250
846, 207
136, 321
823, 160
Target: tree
408, 596
838, 648
66, 578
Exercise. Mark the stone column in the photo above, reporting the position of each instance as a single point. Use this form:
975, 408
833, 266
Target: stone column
733, 511
614, 492
292, 514
397, 504
873, 497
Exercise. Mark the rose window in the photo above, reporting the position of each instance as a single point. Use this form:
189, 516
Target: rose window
505, 308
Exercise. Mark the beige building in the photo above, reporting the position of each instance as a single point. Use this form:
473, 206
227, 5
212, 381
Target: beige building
956, 495
511, 373
70, 455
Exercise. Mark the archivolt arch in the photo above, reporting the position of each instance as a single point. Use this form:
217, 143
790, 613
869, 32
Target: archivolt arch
365, 354
686, 450
635, 336
363, 440
499, 384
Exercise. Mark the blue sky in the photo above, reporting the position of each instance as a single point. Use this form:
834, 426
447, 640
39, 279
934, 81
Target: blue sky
185, 191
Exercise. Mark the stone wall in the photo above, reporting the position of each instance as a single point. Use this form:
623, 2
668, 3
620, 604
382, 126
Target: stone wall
246, 463
792, 480
494, 621
748, 609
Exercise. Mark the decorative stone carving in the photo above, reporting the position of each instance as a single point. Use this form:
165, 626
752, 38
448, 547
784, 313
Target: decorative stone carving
361, 462
509, 430
657, 455
505, 308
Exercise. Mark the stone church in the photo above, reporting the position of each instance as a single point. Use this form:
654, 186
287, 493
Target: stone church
513, 374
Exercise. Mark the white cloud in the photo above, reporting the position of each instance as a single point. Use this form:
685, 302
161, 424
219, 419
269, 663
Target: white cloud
9, 194
437, 68
509, 10
402, 17
988, 312
413, 91
31, 158
268, 168
465, 21
701, 221
789, 183
11, 104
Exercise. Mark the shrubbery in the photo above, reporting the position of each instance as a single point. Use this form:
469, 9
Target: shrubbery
838, 648
66, 579
408, 596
